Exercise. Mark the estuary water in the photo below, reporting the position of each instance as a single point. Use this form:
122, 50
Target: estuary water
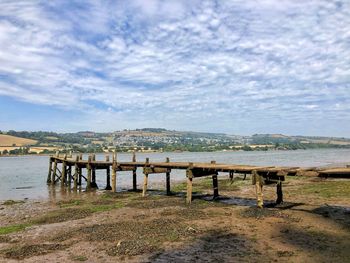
24, 177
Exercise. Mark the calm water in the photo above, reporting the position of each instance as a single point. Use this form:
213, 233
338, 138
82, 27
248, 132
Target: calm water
25, 177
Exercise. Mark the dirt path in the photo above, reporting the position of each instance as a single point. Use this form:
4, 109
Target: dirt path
124, 227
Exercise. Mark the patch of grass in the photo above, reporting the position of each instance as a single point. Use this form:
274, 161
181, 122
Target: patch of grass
12, 202
135, 238
79, 258
206, 184
119, 195
327, 189
12, 228
21, 252
70, 203
106, 207
62, 215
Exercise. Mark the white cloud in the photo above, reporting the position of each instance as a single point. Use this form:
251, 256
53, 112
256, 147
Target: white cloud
181, 63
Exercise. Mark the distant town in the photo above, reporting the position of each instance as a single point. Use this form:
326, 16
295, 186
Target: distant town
155, 140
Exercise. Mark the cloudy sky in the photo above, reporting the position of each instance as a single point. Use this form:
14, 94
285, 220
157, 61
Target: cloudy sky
234, 66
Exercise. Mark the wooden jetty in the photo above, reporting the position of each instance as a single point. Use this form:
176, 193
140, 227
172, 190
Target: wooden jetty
61, 171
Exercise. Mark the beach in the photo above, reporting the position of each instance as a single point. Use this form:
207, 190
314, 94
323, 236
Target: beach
311, 226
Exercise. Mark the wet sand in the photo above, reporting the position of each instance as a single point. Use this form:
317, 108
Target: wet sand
313, 225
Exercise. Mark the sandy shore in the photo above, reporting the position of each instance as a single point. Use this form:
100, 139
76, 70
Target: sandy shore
313, 225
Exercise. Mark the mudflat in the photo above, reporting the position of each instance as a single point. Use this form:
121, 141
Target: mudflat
313, 225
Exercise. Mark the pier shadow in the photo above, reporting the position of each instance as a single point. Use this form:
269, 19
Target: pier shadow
323, 246
214, 246
336, 214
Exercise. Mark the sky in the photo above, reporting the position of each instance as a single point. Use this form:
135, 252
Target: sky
232, 66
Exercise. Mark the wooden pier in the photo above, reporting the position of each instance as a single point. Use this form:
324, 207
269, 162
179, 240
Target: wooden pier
68, 170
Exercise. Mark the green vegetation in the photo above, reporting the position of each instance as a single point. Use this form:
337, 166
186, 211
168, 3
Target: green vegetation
327, 189
79, 258
157, 139
13, 228
12, 202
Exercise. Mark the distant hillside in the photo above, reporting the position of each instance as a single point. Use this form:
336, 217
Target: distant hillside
280, 138
8, 140
159, 139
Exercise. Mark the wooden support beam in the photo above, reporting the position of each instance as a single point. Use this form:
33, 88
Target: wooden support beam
134, 174
145, 178
108, 176
279, 193
215, 182
69, 175
76, 173
257, 180
89, 173
114, 172
93, 173
54, 172
48, 181
64, 171
167, 178
189, 175
231, 176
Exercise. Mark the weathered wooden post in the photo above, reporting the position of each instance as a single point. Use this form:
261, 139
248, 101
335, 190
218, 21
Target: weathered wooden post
189, 175
231, 176
69, 175
167, 178
80, 169
89, 175
114, 172
257, 180
54, 172
145, 178
64, 170
108, 175
48, 181
279, 192
76, 173
93, 171
134, 175
215, 182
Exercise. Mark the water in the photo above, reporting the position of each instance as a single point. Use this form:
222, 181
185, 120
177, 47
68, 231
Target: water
25, 176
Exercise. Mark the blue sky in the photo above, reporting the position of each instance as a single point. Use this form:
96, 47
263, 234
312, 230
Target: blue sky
239, 67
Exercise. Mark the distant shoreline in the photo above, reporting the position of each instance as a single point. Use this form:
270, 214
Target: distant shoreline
270, 150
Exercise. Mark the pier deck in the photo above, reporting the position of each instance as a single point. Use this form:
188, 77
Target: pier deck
260, 175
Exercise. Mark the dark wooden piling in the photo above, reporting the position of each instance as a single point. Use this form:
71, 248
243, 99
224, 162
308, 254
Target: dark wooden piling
145, 178
64, 171
108, 175
114, 172
54, 172
80, 170
134, 174
215, 183
231, 176
189, 176
167, 177
69, 175
48, 181
279, 192
89, 173
93, 173
76, 173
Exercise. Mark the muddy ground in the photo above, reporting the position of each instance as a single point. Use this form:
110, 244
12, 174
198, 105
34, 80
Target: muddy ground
313, 225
